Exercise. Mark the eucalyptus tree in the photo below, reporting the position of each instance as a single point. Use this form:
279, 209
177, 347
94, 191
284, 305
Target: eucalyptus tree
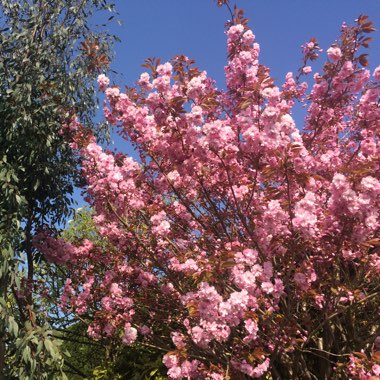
50, 54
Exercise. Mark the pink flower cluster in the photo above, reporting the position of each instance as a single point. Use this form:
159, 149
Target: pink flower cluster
236, 233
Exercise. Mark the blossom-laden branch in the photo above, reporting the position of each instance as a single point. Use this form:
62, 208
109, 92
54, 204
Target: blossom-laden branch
239, 243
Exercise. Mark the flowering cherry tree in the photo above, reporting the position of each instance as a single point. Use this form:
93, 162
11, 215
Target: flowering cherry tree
239, 244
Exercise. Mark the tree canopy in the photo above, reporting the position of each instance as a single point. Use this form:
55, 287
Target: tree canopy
49, 57
239, 245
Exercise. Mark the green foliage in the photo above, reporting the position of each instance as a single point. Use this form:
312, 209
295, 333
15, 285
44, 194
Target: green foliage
82, 227
38, 355
104, 374
125, 363
83, 355
46, 77
49, 58
138, 362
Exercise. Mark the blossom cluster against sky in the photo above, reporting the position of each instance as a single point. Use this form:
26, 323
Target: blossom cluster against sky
196, 28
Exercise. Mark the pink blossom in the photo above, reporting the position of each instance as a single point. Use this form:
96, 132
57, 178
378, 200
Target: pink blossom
267, 287
112, 93
376, 369
144, 81
334, 53
376, 73
240, 191
254, 372
198, 335
116, 290
170, 360
165, 69
307, 47
178, 339
145, 330
307, 70
130, 334
103, 82
301, 281
305, 213
234, 32
237, 228
215, 376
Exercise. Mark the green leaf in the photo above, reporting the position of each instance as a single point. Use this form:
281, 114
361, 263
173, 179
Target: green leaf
26, 354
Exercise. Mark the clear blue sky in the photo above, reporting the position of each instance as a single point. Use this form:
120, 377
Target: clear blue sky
196, 28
